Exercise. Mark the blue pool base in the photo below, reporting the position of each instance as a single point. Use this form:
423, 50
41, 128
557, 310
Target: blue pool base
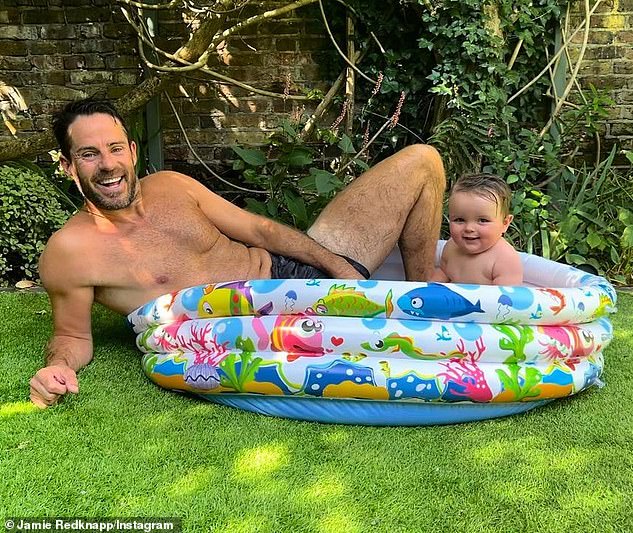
371, 412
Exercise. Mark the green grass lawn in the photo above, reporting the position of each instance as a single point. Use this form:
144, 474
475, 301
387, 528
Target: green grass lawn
124, 447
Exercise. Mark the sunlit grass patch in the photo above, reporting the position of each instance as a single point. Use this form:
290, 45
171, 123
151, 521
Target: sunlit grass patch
124, 447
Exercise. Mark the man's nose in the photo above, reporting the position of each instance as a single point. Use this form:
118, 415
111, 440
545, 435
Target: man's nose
107, 161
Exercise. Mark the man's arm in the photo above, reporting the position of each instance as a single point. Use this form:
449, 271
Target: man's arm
70, 347
262, 232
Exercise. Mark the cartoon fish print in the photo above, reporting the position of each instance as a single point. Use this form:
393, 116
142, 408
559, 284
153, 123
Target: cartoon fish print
299, 335
348, 301
445, 335
229, 299
395, 343
436, 301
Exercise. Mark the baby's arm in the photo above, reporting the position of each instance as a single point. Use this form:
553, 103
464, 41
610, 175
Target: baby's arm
508, 267
440, 276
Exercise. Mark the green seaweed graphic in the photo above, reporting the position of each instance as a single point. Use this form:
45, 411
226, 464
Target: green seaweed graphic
145, 335
517, 337
512, 382
248, 365
149, 360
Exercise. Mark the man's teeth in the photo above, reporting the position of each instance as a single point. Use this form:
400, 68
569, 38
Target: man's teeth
110, 181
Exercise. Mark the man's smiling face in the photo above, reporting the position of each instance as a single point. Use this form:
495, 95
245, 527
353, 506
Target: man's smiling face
102, 161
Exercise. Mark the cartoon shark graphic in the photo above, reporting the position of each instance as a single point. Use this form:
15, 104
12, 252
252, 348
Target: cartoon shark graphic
436, 301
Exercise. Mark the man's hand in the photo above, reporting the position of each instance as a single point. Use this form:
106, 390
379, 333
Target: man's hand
345, 271
52, 382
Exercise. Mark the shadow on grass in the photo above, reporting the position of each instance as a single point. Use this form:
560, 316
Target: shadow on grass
124, 447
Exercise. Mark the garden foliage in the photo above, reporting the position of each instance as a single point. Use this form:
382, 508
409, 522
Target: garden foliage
458, 64
31, 209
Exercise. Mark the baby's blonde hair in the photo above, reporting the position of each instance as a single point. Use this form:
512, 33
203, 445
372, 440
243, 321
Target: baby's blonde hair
489, 186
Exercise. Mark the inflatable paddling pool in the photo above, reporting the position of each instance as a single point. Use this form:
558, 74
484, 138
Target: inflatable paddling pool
381, 352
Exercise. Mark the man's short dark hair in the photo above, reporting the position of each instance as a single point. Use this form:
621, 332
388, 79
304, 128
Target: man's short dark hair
67, 115
489, 186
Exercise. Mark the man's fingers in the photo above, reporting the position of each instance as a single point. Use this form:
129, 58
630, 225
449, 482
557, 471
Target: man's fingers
38, 401
53, 385
50, 383
72, 385
40, 396
68, 380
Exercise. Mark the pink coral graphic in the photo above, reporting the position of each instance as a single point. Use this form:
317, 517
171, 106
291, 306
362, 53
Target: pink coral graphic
465, 374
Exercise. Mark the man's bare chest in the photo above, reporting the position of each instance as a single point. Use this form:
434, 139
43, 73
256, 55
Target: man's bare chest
160, 247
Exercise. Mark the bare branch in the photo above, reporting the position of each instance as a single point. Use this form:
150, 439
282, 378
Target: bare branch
338, 48
42, 142
207, 167
574, 73
141, 5
556, 56
327, 100
364, 148
258, 18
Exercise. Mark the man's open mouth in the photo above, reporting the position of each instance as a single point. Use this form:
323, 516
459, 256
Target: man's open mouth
111, 183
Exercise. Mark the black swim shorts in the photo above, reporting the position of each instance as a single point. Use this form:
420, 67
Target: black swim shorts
287, 268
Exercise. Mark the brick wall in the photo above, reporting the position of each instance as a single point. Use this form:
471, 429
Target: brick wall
55, 54
268, 56
55, 51
608, 65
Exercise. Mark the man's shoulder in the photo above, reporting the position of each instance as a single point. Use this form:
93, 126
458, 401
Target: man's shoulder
69, 240
61, 261
163, 179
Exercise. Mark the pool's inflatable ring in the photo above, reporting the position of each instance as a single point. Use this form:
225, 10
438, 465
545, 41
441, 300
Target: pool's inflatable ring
381, 352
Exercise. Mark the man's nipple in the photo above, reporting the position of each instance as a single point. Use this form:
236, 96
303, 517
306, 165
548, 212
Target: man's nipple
161, 280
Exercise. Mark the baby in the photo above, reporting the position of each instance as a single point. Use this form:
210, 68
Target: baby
479, 215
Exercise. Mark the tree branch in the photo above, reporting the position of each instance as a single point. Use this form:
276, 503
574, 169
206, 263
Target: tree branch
42, 142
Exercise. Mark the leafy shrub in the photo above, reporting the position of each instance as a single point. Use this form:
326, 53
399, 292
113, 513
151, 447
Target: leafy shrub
291, 173
31, 209
584, 219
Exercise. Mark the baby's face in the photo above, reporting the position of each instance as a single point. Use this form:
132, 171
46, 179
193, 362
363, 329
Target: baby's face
476, 223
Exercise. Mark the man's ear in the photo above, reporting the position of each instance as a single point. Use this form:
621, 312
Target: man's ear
66, 165
70, 174
134, 152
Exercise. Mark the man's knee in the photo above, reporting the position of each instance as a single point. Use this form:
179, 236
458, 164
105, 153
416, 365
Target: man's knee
427, 159
420, 151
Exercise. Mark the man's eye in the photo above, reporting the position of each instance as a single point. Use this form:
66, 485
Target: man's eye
87, 155
117, 149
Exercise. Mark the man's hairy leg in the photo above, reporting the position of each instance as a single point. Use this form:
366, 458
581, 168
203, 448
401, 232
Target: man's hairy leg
397, 201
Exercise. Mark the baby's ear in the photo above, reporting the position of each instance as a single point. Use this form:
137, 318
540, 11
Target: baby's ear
506, 222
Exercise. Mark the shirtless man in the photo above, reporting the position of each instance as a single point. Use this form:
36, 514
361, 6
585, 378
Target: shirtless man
479, 216
137, 239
